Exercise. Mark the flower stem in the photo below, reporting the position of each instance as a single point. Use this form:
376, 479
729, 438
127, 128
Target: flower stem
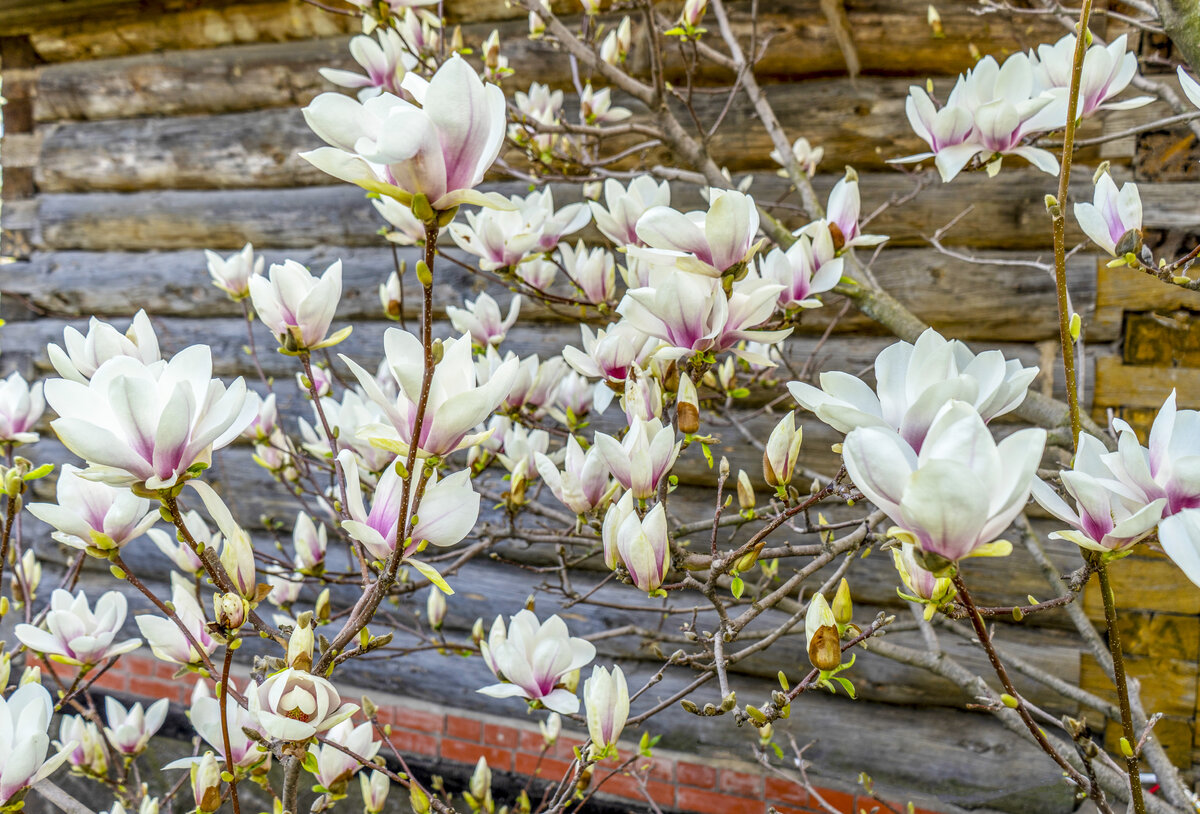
223, 703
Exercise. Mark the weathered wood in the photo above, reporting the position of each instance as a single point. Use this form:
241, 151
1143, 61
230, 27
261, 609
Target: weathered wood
1122, 289
1134, 386
1004, 211
964, 300
24, 16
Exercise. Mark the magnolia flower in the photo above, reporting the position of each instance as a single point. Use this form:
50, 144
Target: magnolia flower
501, 239
914, 382
946, 131
639, 543
383, 57
446, 513
455, 405
593, 271
481, 319
572, 398
1179, 535
643, 398
821, 634
285, 589
85, 746
130, 730
347, 418
266, 417
297, 306
610, 353
84, 354
596, 107
617, 43
804, 154
606, 704
618, 222
435, 607
309, 540
708, 243
374, 788
205, 715
232, 274
409, 230
583, 485
958, 494
842, 213
24, 718
693, 12
641, 459
537, 272
538, 206
782, 451
75, 634
237, 551
521, 446
137, 422
293, 705
923, 586
1168, 469
808, 267
440, 150
1107, 70
335, 767
165, 638
532, 660
20, 408
1111, 215
206, 784
93, 516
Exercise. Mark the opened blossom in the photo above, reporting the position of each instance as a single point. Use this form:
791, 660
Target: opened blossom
584, 484
456, 405
481, 318
292, 705
555, 224
94, 516
297, 306
75, 633
842, 214
81, 355
205, 715
335, 767
639, 543
21, 405
1170, 467
86, 748
708, 243
384, 60
232, 274
958, 494
178, 551
1107, 70
439, 147
130, 730
914, 381
596, 107
806, 156
149, 423
24, 719
641, 459
532, 660
623, 206
1111, 215
168, 642
594, 271
806, 269
609, 354
947, 131
501, 239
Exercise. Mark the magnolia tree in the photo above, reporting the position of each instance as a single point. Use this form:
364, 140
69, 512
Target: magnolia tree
683, 315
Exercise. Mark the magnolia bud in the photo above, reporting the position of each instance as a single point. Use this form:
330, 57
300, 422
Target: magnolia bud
418, 799
481, 780
374, 791
551, 727
477, 632
32, 675
745, 491
435, 607
206, 783
687, 405
300, 645
229, 610
820, 627
843, 607
322, 610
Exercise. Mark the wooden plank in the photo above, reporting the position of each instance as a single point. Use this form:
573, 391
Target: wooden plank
964, 300
25, 16
1121, 385
1123, 289
21, 150
1004, 211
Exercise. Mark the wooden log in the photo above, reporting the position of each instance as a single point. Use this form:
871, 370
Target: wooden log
1004, 211
964, 300
1136, 386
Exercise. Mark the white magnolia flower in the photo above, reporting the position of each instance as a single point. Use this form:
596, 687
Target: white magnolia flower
94, 516
130, 730
1112, 214
914, 382
533, 659
293, 705
708, 243
165, 638
481, 319
21, 405
24, 720
1170, 467
639, 543
83, 355
806, 156
584, 484
617, 219
232, 274
641, 459
1107, 70
383, 57
593, 271
807, 268
74, 634
205, 715
335, 767
297, 306
606, 702
596, 107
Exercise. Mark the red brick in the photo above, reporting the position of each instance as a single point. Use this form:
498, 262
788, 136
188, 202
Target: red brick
710, 802
463, 728
160, 669
789, 810
464, 752
417, 719
696, 774
564, 748
150, 687
623, 785
786, 791
741, 783
503, 736
659, 768
112, 680
416, 742
547, 769
840, 800
531, 742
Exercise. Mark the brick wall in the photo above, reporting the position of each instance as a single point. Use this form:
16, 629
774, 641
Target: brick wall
673, 780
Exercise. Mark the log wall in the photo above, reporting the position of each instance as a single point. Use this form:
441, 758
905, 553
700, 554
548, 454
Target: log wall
139, 133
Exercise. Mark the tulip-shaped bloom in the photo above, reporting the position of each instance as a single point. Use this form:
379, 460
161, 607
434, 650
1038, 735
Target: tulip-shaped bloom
374, 787
609, 354
83, 355
1110, 516
335, 767
94, 516
555, 224
946, 130
709, 243
821, 634
641, 459
804, 270
501, 239
440, 150
446, 514
482, 320
804, 154
180, 553
596, 107
383, 57
617, 219
751, 303
130, 730
572, 398
75, 634
293, 705
958, 494
932, 591
455, 406
206, 720
308, 541
1179, 535
266, 418
520, 450
782, 451
20, 408
533, 659
297, 306
583, 485
347, 418
1111, 215
1107, 70
206, 784
594, 272
24, 718
89, 754
1170, 468
639, 543
842, 213
165, 638
232, 274
606, 703
136, 422
914, 382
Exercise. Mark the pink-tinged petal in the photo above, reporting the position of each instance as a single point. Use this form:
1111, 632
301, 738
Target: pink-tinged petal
1179, 535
